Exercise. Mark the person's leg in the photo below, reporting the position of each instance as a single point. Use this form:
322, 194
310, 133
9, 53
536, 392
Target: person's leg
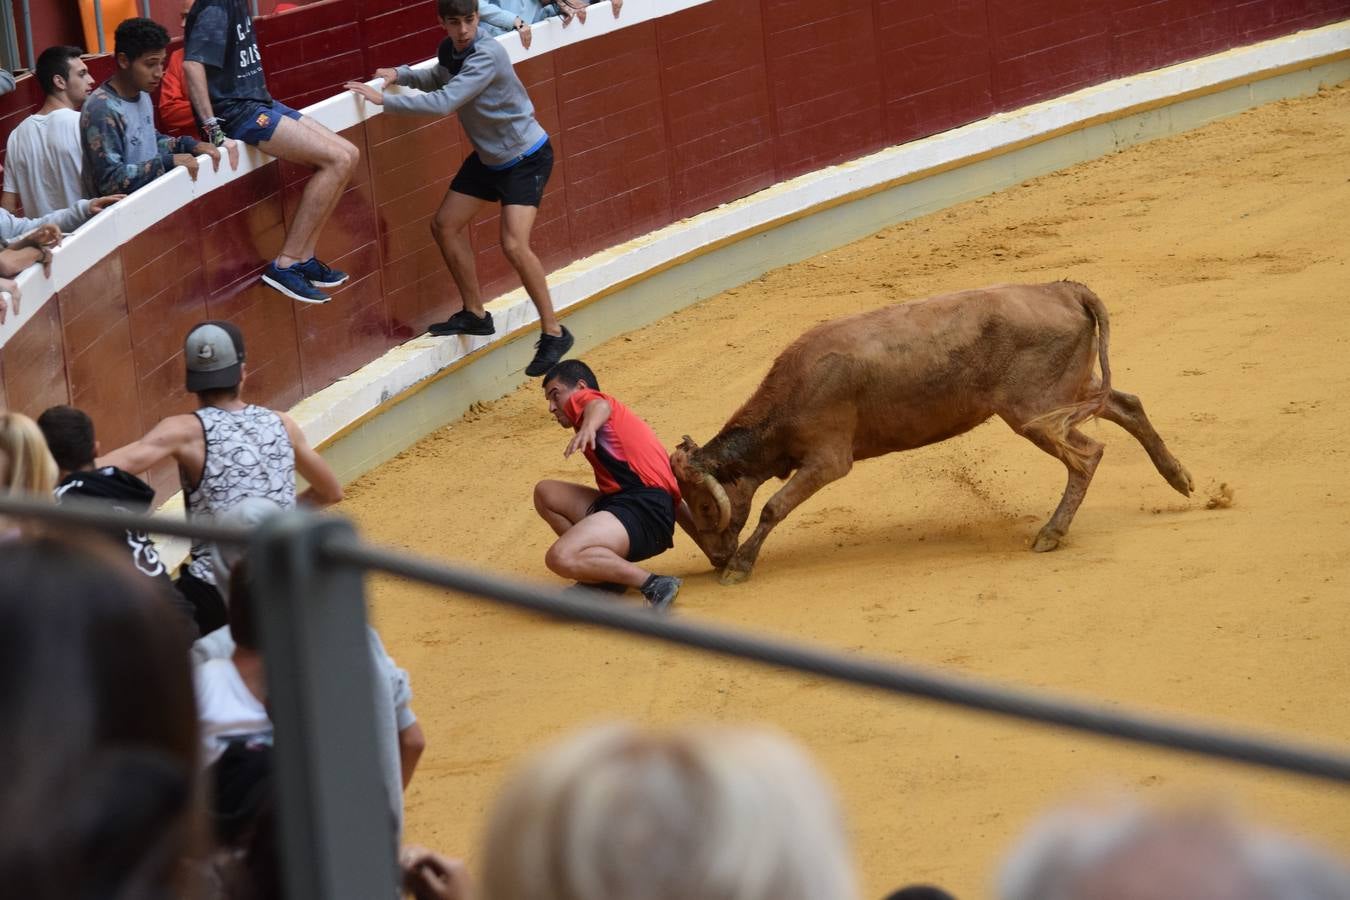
354, 158
563, 504
333, 158
593, 550
450, 229
517, 222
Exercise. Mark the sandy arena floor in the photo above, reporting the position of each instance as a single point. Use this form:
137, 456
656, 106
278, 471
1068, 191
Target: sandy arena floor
1222, 256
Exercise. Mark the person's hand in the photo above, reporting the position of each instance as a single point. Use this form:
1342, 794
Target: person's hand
11, 287
99, 204
210, 150
390, 76
44, 236
232, 151
569, 10
616, 5
431, 876
361, 89
583, 440
189, 162
526, 35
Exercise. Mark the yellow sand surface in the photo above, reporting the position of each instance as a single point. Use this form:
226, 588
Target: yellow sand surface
1222, 257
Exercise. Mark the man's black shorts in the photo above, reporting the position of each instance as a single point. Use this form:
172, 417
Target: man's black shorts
521, 185
647, 514
207, 603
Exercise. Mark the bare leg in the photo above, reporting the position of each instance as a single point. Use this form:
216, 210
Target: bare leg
333, 158
450, 228
310, 249
563, 504
1127, 412
811, 477
1081, 460
517, 221
593, 550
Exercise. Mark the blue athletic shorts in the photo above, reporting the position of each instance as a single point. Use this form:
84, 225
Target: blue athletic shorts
254, 123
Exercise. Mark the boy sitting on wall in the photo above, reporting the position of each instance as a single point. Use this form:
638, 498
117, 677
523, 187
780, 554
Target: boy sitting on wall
511, 163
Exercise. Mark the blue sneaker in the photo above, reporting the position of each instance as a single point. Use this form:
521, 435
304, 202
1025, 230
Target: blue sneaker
292, 282
320, 275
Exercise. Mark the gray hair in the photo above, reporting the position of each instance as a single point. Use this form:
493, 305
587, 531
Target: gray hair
1186, 855
715, 813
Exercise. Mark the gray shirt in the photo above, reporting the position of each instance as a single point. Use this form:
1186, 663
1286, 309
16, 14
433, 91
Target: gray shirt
492, 104
13, 227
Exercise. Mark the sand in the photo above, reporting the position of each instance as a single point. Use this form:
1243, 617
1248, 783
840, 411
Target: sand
1222, 257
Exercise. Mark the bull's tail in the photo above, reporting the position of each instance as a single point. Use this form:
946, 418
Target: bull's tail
1056, 424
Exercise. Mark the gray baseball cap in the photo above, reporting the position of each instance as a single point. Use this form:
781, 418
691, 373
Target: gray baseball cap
214, 353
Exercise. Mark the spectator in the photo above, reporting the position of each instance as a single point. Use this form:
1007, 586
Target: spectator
226, 451
232, 691
510, 163
29, 241
1189, 855
713, 813
6, 82
228, 90
498, 19
70, 438
43, 156
99, 746
603, 533
27, 469
10, 295
122, 149
175, 109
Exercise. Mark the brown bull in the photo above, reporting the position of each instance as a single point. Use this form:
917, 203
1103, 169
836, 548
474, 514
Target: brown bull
907, 376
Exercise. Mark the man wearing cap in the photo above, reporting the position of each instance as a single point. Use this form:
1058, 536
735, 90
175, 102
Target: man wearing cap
227, 451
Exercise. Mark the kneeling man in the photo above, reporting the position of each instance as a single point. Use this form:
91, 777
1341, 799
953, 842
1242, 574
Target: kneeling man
603, 533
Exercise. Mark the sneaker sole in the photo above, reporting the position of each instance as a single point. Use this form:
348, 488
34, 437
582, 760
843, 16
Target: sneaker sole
329, 284
534, 371
452, 333
281, 288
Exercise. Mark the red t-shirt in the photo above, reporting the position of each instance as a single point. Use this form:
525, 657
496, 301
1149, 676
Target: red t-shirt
175, 110
627, 452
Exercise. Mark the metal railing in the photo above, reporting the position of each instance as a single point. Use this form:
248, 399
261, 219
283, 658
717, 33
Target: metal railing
308, 572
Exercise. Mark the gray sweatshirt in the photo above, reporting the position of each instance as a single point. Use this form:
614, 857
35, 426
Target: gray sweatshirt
492, 104
13, 227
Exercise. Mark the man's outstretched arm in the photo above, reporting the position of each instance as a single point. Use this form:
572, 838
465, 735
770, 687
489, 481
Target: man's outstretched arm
167, 440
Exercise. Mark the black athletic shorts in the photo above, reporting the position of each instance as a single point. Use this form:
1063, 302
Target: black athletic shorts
207, 603
521, 185
647, 514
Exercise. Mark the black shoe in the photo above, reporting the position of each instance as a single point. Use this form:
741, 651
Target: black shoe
464, 322
661, 591
548, 350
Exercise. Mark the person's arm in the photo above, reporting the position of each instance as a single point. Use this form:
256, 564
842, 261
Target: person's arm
6, 82
167, 440
594, 415
14, 260
431, 876
199, 95
9, 287
477, 73
411, 743
104, 138
685, 517
324, 487
9, 201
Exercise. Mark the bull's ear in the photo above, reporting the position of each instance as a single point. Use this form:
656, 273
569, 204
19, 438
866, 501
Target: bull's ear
679, 464
688, 445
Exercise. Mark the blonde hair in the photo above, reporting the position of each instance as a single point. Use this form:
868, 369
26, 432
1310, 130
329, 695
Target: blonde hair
716, 813
26, 465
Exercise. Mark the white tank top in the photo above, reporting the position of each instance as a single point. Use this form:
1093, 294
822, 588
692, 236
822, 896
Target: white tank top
248, 454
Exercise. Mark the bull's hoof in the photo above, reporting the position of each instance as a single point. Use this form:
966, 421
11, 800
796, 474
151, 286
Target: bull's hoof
1180, 479
734, 576
1046, 541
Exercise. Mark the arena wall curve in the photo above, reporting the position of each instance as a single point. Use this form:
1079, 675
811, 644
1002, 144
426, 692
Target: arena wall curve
699, 145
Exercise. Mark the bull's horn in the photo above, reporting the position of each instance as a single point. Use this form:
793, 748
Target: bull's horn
723, 502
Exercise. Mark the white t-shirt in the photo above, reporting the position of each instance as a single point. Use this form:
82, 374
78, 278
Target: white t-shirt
43, 162
226, 709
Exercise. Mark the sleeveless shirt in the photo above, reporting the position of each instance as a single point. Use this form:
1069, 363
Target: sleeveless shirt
248, 454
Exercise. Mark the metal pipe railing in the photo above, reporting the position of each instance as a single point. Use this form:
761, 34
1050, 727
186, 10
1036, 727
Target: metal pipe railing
28, 36
98, 25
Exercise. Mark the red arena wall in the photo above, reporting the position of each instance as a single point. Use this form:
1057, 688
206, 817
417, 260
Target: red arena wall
652, 123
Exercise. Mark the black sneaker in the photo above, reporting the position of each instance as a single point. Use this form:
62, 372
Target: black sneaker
548, 350
293, 283
661, 591
464, 322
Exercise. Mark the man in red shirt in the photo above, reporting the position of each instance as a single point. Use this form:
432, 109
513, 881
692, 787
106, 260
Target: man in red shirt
175, 110
603, 533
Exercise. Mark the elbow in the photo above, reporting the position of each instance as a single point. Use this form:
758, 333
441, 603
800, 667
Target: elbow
333, 495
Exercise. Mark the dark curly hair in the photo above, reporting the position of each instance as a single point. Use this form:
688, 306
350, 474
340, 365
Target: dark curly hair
137, 37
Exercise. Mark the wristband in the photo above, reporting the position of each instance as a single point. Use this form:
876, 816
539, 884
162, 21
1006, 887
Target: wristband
215, 136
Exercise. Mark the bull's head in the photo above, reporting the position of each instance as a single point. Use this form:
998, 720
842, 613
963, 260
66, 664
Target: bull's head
719, 508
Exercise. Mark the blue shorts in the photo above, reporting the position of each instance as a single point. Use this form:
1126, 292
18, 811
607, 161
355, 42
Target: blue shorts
252, 122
